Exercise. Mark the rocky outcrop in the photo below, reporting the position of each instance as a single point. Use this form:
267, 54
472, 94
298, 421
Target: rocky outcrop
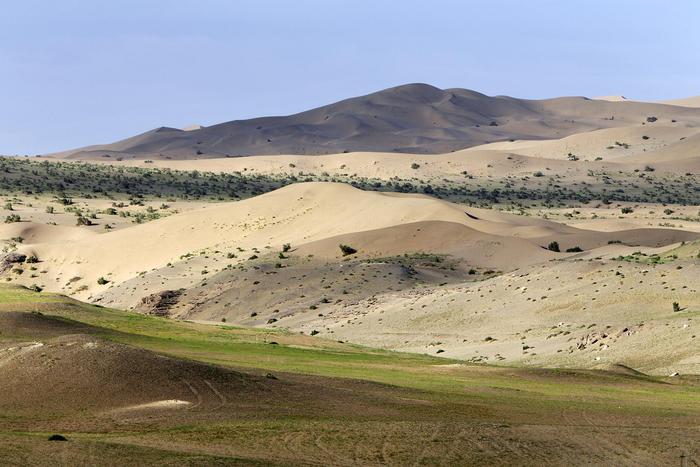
10, 259
159, 303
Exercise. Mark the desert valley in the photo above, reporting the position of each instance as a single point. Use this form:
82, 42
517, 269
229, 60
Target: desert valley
417, 275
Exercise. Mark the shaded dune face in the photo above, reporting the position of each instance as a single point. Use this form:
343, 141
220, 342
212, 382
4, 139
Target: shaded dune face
413, 118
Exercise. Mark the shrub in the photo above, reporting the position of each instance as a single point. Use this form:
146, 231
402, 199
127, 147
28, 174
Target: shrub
575, 249
286, 247
82, 220
31, 259
12, 218
415, 166
102, 281
627, 210
553, 246
49, 209
347, 250
676, 307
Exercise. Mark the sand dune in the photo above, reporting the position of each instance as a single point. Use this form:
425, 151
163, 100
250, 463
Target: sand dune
617, 144
613, 98
33, 232
414, 118
450, 238
685, 102
179, 245
298, 214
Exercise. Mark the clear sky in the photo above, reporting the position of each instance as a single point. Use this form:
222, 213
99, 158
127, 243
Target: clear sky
78, 72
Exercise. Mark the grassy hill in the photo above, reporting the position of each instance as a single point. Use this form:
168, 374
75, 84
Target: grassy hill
262, 396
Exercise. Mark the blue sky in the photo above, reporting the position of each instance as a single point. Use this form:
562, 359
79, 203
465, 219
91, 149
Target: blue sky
80, 72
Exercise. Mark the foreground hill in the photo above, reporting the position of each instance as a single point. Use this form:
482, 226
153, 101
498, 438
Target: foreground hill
414, 118
128, 389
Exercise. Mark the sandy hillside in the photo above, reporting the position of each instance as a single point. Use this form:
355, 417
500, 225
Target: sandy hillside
583, 313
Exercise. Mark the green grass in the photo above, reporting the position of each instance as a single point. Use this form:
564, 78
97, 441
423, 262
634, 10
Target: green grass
250, 349
455, 401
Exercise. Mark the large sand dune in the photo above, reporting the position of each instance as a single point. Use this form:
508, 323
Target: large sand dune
297, 214
414, 118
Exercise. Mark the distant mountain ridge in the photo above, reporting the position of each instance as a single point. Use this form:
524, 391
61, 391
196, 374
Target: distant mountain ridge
412, 118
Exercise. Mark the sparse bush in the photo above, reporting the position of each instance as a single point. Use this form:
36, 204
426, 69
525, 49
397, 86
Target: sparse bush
102, 281
676, 307
286, 247
627, 210
12, 218
347, 250
576, 249
553, 246
415, 166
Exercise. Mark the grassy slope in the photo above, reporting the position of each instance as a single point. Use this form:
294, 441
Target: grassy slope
461, 393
